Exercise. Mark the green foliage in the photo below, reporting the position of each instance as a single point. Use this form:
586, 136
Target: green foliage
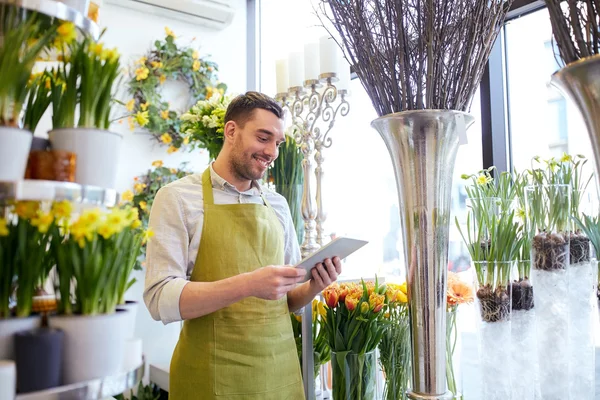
204, 124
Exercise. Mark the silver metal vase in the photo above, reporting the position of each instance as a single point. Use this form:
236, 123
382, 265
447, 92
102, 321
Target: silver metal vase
580, 82
423, 146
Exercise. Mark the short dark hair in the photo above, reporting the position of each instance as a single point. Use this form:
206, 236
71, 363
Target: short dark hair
242, 107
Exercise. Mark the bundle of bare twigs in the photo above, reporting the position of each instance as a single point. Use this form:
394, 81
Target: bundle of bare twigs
575, 27
417, 54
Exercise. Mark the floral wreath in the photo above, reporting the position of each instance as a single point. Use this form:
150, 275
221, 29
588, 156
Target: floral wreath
167, 60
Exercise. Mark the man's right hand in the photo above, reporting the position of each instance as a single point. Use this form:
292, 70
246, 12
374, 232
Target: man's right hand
273, 282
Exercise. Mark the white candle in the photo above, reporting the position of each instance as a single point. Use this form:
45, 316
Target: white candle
282, 76
343, 75
296, 64
330, 54
8, 380
311, 61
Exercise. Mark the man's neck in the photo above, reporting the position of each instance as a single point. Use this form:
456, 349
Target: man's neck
224, 171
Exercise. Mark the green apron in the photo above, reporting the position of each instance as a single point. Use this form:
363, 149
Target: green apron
245, 351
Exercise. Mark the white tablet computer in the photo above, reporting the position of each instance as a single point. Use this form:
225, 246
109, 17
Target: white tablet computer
341, 247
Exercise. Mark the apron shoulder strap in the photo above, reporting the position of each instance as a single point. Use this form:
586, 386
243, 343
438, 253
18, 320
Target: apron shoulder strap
207, 189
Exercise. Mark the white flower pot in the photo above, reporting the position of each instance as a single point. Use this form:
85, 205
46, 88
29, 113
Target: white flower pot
131, 307
93, 345
97, 153
15, 144
10, 326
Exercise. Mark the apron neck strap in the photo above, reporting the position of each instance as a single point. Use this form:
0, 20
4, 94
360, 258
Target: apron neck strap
208, 192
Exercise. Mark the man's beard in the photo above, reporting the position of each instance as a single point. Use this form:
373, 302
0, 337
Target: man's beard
242, 166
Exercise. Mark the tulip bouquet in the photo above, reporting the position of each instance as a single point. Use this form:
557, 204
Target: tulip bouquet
321, 351
394, 348
354, 326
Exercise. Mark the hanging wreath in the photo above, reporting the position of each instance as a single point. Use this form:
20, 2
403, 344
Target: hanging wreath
168, 61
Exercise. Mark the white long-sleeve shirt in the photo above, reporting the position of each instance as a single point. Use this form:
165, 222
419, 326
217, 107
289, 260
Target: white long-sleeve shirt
176, 218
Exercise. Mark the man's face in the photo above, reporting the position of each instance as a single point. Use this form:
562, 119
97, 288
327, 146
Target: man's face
256, 145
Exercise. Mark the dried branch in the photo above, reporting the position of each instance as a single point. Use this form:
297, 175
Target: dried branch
417, 54
575, 28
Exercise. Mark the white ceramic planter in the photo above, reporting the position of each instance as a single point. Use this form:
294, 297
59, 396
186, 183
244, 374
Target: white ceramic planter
131, 307
15, 144
97, 153
10, 326
93, 345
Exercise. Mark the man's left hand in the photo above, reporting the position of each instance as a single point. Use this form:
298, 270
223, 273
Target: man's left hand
325, 273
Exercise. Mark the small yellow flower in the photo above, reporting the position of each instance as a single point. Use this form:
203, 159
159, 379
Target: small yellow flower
97, 48
90, 218
173, 170
566, 158
166, 138
105, 230
156, 64
195, 55
142, 61
62, 209
196, 65
157, 163
136, 224
27, 209
144, 106
66, 32
186, 140
3, 227
483, 180
127, 196
169, 32
172, 149
162, 79
42, 221
141, 73
110, 54
164, 114
209, 92
139, 187
130, 105
143, 205
147, 235
141, 118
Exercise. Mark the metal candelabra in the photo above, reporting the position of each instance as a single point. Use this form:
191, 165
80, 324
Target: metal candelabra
313, 108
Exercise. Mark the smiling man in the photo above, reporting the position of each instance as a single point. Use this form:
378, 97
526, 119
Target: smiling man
220, 260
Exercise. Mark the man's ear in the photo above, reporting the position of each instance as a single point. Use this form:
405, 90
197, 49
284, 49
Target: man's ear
230, 130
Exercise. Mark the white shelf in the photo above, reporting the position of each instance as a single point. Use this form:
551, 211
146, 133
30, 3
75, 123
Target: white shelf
61, 11
39, 190
100, 388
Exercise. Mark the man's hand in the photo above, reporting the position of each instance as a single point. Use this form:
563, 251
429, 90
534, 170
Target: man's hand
273, 282
325, 273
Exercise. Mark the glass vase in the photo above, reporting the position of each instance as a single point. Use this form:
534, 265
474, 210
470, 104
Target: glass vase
549, 219
354, 375
493, 300
394, 355
453, 369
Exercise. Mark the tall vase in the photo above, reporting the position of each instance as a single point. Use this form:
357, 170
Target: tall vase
423, 146
354, 375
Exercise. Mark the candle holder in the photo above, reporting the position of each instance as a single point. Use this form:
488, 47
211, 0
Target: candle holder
314, 112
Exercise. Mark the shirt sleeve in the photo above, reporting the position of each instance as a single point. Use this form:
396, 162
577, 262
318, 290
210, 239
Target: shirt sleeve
166, 257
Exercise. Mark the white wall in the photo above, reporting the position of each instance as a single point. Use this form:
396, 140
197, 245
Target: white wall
133, 33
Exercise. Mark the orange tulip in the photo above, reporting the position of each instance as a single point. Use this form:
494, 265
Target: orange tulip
342, 293
376, 301
351, 302
331, 297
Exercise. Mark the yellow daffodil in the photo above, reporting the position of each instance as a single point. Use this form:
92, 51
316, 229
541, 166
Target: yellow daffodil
172, 149
47, 83
110, 54
105, 230
142, 118
186, 140
196, 65
147, 235
127, 196
162, 79
66, 32
42, 221
156, 64
143, 205
3, 227
97, 48
157, 163
195, 55
566, 158
483, 180
118, 219
164, 114
27, 209
90, 218
169, 32
139, 187
144, 106
62, 210
130, 105
141, 73
136, 224
166, 138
